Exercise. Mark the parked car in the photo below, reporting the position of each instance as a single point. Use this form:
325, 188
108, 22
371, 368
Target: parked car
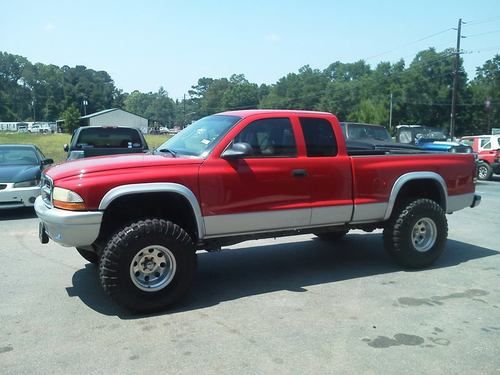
22, 128
105, 140
40, 128
413, 134
487, 148
429, 139
243, 175
20, 170
370, 137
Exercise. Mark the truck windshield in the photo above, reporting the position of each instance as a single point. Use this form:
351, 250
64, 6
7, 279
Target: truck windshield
199, 138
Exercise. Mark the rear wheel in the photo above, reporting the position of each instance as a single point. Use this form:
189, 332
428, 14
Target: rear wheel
416, 234
148, 265
484, 171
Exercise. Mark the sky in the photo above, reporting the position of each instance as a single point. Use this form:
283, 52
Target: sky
148, 44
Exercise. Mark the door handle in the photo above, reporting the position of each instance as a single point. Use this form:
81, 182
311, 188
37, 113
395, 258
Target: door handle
299, 173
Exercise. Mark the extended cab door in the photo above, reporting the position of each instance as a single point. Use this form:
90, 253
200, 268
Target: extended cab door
265, 191
328, 171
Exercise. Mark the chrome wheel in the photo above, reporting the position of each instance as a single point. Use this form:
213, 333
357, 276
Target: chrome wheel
424, 234
153, 268
482, 172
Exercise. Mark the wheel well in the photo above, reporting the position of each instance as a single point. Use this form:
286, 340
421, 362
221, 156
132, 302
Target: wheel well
129, 208
421, 188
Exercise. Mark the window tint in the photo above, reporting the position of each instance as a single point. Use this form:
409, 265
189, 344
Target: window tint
320, 140
109, 137
269, 137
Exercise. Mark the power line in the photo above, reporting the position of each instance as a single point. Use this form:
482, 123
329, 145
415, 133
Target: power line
486, 33
482, 21
410, 43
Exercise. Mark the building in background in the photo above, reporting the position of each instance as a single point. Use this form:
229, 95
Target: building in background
115, 117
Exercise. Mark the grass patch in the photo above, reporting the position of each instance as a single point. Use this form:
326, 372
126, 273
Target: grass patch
52, 144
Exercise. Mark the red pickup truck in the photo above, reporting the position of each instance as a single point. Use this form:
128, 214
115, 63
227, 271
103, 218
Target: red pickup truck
244, 175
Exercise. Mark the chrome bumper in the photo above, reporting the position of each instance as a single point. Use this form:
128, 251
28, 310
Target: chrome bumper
69, 228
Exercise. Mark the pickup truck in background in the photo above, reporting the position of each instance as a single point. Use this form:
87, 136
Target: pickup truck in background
487, 148
90, 141
244, 175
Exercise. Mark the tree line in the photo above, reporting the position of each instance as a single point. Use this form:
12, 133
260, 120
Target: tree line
420, 93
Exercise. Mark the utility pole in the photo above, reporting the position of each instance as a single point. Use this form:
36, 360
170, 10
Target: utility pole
390, 115
455, 81
184, 112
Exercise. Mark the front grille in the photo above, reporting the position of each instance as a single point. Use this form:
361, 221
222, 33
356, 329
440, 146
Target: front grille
3, 186
46, 189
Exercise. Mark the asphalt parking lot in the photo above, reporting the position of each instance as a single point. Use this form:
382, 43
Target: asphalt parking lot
289, 306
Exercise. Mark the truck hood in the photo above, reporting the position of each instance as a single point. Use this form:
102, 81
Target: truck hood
115, 162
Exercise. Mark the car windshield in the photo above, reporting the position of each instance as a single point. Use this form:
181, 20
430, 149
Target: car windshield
18, 156
199, 138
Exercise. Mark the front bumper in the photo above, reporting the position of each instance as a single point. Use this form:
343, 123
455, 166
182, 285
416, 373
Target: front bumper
11, 197
69, 228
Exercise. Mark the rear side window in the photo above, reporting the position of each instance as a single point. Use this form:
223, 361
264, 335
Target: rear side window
485, 143
319, 137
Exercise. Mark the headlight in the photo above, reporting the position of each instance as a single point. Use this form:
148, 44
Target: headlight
67, 199
29, 183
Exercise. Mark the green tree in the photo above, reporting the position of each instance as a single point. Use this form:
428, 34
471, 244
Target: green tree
71, 118
484, 106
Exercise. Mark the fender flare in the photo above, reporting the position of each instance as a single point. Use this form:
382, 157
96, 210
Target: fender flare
157, 187
411, 176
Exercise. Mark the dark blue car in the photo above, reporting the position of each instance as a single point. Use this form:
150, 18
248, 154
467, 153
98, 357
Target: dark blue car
20, 170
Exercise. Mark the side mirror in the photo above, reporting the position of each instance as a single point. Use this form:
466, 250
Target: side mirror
47, 161
238, 150
66, 148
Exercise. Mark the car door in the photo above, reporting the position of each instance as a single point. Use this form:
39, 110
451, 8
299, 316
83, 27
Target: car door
265, 191
329, 173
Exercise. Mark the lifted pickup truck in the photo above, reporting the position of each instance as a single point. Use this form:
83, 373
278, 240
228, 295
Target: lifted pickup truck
105, 140
244, 175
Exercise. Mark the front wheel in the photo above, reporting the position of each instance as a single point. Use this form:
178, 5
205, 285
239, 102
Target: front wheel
416, 234
484, 171
148, 265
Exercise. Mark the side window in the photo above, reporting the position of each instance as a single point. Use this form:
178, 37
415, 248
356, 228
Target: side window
319, 137
269, 138
467, 142
485, 143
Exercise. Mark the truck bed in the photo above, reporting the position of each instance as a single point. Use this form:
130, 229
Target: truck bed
374, 147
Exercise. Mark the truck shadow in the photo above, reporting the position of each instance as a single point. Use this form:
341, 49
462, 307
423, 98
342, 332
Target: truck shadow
238, 273
17, 213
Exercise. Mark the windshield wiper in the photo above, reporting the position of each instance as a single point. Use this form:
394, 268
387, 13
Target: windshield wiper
171, 152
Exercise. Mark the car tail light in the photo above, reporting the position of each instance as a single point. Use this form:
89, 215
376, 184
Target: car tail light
497, 157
